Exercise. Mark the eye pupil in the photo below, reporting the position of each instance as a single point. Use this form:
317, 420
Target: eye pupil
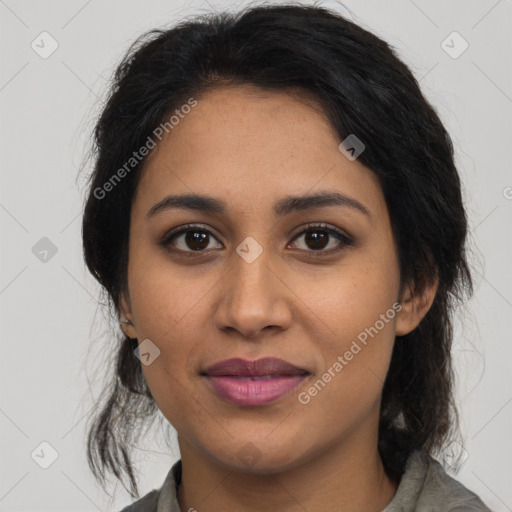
193, 237
318, 238
197, 239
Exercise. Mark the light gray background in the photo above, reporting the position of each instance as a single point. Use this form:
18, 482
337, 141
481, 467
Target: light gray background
49, 314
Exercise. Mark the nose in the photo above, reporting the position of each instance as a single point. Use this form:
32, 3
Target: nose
254, 298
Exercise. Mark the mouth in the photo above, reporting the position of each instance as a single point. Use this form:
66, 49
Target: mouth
252, 383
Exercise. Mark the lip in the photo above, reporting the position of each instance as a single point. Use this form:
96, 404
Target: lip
251, 383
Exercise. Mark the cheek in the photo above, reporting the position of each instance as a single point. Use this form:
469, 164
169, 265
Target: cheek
163, 294
358, 306
161, 309
355, 364
351, 299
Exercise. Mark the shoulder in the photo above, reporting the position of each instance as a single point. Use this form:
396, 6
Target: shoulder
163, 498
148, 503
426, 487
445, 491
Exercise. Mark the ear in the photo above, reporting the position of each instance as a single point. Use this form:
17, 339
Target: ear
125, 315
416, 301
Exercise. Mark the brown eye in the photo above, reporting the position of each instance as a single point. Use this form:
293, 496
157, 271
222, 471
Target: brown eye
318, 238
191, 239
197, 240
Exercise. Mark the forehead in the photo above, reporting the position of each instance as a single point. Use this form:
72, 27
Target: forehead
253, 145
229, 120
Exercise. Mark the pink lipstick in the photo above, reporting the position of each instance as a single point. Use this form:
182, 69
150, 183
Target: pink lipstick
251, 383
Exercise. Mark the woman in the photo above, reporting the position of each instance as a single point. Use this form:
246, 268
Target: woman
277, 220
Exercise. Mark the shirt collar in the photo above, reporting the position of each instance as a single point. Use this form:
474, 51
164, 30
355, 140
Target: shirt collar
404, 500
168, 499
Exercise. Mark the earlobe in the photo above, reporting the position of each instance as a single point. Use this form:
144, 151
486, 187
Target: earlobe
126, 319
415, 303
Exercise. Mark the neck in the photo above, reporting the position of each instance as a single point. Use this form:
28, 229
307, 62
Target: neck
341, 479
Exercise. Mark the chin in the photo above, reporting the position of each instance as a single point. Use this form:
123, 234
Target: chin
261, 457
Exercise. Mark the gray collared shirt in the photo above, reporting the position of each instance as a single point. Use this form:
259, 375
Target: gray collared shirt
424, 487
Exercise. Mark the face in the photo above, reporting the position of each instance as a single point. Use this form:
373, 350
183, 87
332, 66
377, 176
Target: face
314, 284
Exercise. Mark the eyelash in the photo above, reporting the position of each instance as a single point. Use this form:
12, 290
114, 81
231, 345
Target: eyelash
339, 235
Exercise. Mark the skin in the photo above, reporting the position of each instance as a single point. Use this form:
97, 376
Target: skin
250, 148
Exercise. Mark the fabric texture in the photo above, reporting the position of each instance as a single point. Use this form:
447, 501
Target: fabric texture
424, 487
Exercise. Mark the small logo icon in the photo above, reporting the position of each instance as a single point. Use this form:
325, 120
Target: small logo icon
44, 45
249, 249
249, 454
44, 250
454, 45
454, 451
147, 352
44, 455
352, 147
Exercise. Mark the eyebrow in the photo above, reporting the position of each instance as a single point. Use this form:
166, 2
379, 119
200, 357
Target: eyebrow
284, 206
